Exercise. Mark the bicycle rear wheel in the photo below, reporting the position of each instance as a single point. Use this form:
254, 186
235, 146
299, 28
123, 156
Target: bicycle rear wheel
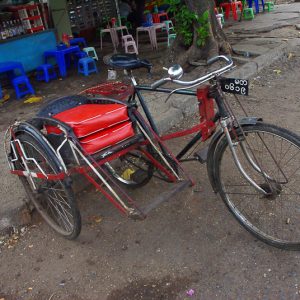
274, 218
54, 200
132, 169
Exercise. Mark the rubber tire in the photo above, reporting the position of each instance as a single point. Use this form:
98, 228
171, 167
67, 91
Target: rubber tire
150, 171
222, 145
54, 164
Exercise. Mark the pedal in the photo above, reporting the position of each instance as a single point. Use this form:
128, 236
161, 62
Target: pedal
201, 155
166, 196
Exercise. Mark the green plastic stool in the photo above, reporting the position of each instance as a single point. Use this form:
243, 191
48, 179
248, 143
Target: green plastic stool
248, 14
171, 37
221, 11
270, 5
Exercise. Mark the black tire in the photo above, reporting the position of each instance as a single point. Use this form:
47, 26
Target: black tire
132, 170
275, 218
54, 200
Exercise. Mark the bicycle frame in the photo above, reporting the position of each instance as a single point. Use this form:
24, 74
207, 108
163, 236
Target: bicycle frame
203, 130
115, 194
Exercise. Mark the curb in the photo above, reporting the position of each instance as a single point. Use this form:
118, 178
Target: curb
251, 68
20, 216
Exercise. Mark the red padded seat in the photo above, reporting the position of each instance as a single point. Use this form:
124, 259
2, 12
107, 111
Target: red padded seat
97, 126
89, 118
107, 137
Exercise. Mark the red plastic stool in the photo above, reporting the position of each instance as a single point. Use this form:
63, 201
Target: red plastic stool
156, 17
233, 6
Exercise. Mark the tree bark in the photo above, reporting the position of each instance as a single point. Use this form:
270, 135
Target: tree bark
215, 43
140, 7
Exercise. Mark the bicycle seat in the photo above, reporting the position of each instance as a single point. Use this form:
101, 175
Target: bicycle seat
128, 62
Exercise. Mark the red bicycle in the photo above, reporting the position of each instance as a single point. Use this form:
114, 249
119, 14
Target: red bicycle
254, 166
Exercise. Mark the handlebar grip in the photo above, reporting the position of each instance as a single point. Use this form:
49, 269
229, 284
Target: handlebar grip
216, 58
158, 83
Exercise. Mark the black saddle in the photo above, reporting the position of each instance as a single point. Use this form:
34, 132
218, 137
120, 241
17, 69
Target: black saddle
128, 62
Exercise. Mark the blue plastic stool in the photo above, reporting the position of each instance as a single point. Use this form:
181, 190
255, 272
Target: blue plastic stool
78, 56
1, 95
45, 72
256, 5
87, 66
81, 54
22, 86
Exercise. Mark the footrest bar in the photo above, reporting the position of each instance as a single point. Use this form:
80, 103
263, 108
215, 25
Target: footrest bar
166, 196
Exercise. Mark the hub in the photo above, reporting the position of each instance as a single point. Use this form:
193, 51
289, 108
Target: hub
272, 188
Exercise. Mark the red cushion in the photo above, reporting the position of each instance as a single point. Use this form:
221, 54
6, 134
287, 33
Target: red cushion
108, 137
87, 119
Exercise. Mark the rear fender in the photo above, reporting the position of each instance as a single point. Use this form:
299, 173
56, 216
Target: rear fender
214, 145
27, 128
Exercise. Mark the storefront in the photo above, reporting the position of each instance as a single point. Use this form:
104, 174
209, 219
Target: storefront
29, 28
25, 33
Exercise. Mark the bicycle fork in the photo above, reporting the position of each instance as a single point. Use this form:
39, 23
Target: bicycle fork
232, 146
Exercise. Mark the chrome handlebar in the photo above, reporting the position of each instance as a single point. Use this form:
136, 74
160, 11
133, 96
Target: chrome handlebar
202, 79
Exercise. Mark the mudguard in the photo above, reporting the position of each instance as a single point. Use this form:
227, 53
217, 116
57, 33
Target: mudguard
213, 147
27, 128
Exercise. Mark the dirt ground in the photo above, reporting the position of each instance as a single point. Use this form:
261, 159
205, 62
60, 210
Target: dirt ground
191, 242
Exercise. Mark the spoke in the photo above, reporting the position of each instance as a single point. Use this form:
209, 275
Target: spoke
237, 193
294, 193
293, 173
63, 201
59, 203
52, 189
56, 212
61, 217
277, 156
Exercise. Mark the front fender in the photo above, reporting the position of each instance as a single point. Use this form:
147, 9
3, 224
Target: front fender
214, 144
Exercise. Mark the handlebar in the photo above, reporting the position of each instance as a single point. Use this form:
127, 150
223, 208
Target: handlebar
202, 79
159, 83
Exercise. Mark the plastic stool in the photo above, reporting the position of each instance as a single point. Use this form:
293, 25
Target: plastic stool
45, 72
22, 86
91, 52
256, 5
248, 14
126, 38
270, 6
219, 19
78, 56
1, 94
81, 54
169, 25
87, 66
171, 36
233, 6
130, 47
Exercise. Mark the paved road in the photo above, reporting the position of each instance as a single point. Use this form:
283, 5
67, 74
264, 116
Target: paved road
192, 242
253, 41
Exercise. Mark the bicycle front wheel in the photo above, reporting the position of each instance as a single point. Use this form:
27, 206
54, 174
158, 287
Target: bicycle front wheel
271, 157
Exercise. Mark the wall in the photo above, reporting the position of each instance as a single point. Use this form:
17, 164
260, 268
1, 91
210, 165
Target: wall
29, 49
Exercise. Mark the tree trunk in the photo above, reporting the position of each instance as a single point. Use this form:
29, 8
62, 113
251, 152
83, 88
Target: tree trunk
140, 7
215, 43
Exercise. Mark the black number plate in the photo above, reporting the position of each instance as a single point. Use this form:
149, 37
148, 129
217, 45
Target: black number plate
235, 86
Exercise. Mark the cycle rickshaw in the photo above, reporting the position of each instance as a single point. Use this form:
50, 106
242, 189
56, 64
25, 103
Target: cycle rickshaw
252, 165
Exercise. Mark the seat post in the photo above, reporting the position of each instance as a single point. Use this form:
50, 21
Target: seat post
131, 77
